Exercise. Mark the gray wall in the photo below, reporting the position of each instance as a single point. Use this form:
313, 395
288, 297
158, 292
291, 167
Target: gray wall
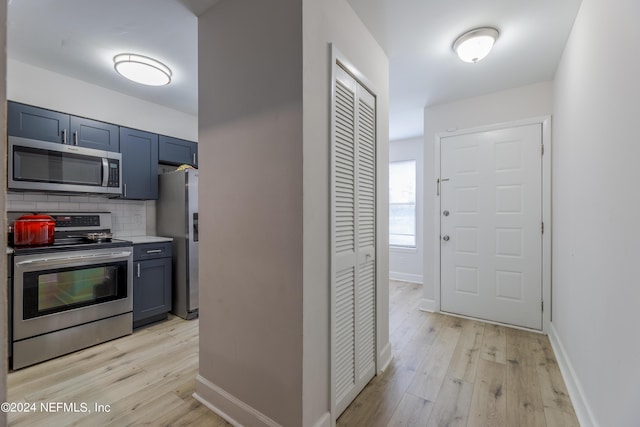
595, 212
264, 301
251, 242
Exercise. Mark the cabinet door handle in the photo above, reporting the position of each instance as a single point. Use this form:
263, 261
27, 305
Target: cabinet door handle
75, 138
194, 158
125, 190
64, 136
138, 269
154, 251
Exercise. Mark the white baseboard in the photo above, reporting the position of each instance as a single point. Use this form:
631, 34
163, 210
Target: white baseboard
324, 420
385, 358
406, 277
578, 398
428, 305
229, 407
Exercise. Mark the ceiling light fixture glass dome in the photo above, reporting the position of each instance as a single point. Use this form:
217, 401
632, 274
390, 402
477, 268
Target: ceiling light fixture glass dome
142, 69
474, 45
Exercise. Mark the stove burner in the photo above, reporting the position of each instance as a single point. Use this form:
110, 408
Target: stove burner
72, 231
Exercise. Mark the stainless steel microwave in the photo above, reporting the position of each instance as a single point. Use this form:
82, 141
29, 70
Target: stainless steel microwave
48, 166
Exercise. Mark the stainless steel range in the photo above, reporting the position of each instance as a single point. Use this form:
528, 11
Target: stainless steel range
72, 294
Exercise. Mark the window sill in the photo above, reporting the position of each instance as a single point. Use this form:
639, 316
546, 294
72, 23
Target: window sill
406, 249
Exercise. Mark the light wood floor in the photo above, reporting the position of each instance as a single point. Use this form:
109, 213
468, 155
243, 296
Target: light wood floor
147, 378
448, 371
445, 372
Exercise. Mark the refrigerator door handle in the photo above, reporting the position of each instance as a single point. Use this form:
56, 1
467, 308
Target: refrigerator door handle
195, 226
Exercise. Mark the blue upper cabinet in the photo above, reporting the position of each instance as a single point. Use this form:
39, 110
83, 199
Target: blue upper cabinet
174, 151
37, 123
139, 164
94, 134
46, 125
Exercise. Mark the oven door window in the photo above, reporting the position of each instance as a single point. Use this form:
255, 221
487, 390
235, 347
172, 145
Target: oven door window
57, 290
39, 165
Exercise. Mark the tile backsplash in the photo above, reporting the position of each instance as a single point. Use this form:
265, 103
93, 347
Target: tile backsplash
130, 217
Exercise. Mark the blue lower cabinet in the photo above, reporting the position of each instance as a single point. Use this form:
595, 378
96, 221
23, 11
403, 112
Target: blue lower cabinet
151, 283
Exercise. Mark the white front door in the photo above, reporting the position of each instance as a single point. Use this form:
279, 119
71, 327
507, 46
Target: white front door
491, 225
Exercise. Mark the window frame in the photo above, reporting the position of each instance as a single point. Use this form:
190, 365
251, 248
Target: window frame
414, 246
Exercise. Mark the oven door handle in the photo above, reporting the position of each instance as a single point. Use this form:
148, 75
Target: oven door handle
65, 260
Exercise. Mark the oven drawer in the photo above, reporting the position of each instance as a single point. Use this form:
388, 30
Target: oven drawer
151, 250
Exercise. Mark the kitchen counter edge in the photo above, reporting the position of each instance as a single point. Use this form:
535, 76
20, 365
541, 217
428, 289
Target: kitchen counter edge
136, 240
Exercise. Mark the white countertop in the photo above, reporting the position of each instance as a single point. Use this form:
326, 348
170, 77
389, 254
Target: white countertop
146, 239
135, 239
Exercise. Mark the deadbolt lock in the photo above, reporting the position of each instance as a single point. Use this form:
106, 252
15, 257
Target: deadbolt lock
445, 238
445, 213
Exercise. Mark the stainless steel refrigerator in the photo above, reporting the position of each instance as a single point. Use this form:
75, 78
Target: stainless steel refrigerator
177, 217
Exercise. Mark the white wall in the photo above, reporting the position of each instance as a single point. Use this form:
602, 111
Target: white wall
43, 88
129, 217
596, 202
324, 22
406, 263
520, 103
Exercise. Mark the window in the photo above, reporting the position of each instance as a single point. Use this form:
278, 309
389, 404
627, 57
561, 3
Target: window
402, 204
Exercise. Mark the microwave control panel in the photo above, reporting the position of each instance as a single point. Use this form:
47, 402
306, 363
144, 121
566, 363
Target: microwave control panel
114, 173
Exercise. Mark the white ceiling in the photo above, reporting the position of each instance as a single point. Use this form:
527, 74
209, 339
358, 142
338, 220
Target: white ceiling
79, 38
418, 35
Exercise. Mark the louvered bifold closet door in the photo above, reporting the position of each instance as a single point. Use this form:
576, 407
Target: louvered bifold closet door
366, 201
344, 258
353, 238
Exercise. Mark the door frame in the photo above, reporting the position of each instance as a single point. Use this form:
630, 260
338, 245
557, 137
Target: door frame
545, 121
383, 348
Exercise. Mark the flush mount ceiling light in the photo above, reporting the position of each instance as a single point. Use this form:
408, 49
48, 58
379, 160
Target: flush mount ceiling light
474, 45
142, 69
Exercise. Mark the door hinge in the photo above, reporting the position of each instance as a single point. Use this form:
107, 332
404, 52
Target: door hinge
541, 305
542, 227
542, 145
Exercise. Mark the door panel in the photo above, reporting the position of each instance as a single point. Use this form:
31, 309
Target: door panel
151, 292
344, 235
353, 239
366, 322
139, 164
366, 195
174, 151
94, 134
491, 240
345, 333
37, 123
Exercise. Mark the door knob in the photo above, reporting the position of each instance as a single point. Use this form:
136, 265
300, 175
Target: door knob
445, 213
445, 238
